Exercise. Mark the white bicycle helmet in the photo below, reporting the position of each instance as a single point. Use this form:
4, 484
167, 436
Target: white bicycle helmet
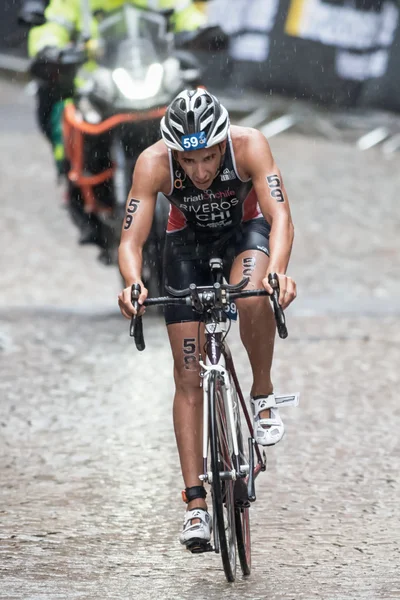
194, 119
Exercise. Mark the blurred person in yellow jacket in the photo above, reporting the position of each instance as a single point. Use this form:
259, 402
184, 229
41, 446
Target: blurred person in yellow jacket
65, 24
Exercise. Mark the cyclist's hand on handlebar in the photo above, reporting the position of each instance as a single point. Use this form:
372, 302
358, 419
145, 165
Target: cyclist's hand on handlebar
287, 289
125, 302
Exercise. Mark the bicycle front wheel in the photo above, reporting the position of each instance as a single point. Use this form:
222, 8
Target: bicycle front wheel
242, 504
222, 487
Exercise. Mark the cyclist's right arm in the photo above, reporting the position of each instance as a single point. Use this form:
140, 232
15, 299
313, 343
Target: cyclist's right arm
147, 181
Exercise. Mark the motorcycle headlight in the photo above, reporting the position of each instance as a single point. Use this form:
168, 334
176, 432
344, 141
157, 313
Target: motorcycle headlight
142, 89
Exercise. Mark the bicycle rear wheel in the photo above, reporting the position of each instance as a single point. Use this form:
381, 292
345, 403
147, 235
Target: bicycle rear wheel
222, 488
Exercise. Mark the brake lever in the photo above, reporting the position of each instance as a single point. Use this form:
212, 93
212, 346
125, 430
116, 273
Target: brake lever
278, 311
135, 292
136, 328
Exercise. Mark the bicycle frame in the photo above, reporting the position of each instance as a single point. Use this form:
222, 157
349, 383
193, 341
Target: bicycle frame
219, 358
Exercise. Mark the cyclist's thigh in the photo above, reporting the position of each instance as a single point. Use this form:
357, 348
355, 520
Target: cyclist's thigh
182, 266
252, 254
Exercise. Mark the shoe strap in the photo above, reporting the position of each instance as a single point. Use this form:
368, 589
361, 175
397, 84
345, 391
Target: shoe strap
261, 403
197, 513
269, 422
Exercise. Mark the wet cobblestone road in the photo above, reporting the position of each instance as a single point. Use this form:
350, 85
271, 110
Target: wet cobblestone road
90, 483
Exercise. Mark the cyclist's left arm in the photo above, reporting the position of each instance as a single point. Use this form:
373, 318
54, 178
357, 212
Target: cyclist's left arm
259, 163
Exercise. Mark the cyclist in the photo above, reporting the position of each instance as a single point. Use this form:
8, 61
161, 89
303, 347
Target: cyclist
227, 199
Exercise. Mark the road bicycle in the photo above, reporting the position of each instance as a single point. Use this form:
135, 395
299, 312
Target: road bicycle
230, 465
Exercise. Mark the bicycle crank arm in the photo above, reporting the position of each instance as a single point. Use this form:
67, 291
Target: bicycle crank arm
251, 488
264, 464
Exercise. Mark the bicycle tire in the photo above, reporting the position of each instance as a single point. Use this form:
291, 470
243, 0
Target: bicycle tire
242, 512
243, 538
222, 490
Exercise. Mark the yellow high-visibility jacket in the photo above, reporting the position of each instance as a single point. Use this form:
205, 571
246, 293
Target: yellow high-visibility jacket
64, 19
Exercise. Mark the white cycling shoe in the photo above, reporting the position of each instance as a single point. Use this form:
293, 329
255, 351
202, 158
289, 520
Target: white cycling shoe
196, 534
270, 431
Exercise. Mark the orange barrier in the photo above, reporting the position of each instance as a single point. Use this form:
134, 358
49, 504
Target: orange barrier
74, 131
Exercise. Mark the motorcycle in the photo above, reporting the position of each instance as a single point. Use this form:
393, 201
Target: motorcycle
114, 115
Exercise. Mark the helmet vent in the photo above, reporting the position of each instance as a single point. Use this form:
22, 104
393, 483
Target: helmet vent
220, 129
207, 113
207, 128
190, 121
168, 136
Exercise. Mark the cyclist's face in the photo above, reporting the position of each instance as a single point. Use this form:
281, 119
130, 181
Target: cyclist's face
201, 166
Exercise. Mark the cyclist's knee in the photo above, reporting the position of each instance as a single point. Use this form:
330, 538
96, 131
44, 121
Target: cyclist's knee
187, 378
249, 307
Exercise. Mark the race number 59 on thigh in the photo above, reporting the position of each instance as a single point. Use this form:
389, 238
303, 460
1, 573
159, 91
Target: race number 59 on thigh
231, 311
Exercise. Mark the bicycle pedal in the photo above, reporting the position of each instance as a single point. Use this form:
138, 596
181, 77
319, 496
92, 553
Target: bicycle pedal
242, 504
199, 546
289, 400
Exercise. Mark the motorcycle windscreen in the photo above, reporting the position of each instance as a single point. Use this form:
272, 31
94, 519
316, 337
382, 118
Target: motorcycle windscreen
133, 38
137, 52
136, 46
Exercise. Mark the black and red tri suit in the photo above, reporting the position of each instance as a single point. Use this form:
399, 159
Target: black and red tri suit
222, 221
